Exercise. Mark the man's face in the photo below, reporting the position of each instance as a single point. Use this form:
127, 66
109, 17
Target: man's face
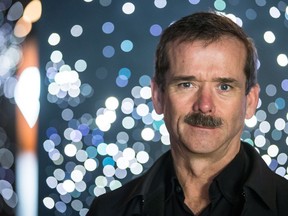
204, 102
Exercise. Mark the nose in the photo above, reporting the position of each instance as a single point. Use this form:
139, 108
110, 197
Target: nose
204, 102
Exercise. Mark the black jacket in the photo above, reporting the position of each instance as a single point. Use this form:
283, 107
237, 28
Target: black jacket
266, 193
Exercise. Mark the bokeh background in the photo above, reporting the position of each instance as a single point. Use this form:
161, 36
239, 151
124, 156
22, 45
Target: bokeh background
96, 128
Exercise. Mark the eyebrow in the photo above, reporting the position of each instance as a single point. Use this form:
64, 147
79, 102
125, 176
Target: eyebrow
227, 80
176, 79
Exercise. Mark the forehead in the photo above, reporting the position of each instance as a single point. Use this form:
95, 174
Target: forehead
224, 55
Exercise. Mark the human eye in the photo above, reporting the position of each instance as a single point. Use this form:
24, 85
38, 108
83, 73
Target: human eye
185, 85
225, 87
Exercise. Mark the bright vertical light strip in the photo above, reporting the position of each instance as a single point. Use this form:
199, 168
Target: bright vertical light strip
27, 93
27, 184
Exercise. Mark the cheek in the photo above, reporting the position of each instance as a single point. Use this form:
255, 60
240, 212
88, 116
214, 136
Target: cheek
173, 111
234, 113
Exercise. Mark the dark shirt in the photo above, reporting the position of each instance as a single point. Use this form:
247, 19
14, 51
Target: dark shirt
225, 192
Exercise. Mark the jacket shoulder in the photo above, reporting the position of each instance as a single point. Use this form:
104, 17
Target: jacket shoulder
129, 196
108, 203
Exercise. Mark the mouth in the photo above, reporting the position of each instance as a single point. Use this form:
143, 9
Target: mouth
203, 127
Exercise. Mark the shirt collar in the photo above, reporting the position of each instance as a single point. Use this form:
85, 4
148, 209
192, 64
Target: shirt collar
227, 182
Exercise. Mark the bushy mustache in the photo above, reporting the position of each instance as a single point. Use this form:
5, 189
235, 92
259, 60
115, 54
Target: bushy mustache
201, 120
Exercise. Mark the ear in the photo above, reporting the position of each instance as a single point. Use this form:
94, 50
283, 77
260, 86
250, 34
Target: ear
157, 97
252, 101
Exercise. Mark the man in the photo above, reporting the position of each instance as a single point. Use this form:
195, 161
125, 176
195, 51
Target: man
205, 85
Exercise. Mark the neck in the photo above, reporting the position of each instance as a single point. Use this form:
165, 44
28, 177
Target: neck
195, 173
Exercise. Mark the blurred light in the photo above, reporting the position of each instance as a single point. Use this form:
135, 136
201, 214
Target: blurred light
136, 168
271, 90
112, 103
67, 114
108, 51
274, 12
128, 122
101, 181
112, 149
125, 72
54, 39
251, 122
264, 127
280, 102
68, 186
27, 183
90, 164
114, 184
142, 157
272, 108
282, 60
284, 85
261, 115
49, 202
251, 14
220, 5
70, 150
80, 65
9, 86
120, 173
52, 182
142, 110
136, 91
122, 163
282, 158
147, 134
155, 30
129, 153
33, 11
280, 124
273, 150
82, 156
22, 28
105, 3
122, 137
267, 159
109, 170
6, 158
145, 92
128, 8
194, 2
56, 56
160, 3
260, 141
127, 106
126, 45
108, 27
15, 11
260, 2
27, 94
269, 37
76, 31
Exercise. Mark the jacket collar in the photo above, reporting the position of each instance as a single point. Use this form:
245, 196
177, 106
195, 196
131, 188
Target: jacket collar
150, 187
260, 179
